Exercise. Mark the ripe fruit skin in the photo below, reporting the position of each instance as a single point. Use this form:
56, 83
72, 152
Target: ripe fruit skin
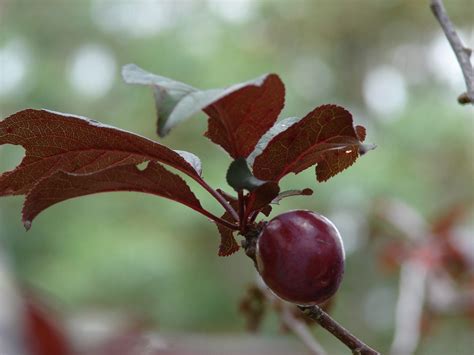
300, 256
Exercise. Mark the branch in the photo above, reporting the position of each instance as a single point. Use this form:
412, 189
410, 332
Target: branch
462, 53
315, 312
298, 327
325, 321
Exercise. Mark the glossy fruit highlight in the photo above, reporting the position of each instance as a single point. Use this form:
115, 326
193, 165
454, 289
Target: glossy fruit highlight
300, 256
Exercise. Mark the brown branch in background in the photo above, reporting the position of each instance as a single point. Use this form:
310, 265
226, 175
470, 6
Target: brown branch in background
413, 276
297, 326
409, 308
462, 53
445, 298
419, 286
315, 312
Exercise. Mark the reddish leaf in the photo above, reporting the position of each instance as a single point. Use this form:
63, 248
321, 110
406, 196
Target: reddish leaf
253, 306
361, 132
326, 137
262, 196
238, 115
228, 244
238, 120
444, 224
155, 179
277, 128
331, 162
392, 255
45, 335
59, 142
266, 210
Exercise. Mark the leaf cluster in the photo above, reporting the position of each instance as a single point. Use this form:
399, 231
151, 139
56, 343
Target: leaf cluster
69, 156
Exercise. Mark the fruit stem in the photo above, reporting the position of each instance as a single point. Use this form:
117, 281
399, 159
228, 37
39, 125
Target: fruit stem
325, 321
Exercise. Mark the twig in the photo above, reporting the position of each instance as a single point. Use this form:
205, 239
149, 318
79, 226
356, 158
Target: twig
242, 217
409, 308
413, 276
315, 312
462, 53
325, 321
294, 324
218, 197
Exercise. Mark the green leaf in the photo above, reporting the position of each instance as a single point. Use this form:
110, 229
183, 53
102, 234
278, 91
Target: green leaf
240, 177
168, 94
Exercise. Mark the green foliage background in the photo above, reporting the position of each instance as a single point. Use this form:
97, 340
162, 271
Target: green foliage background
139, 254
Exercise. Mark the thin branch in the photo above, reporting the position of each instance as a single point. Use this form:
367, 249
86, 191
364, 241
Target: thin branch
217, 219
462, 53
298, 327
315, 312
325, 321
409, 308
218, 197
242, 217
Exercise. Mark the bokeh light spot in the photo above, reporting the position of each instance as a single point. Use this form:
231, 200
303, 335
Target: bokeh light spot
92, 70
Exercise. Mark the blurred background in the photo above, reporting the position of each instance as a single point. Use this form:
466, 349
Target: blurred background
122, 254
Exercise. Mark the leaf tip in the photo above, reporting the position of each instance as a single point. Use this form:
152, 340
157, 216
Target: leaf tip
225, 252
364, 148
27, 224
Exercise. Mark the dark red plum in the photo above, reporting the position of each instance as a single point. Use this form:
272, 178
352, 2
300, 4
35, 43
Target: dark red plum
300, 256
